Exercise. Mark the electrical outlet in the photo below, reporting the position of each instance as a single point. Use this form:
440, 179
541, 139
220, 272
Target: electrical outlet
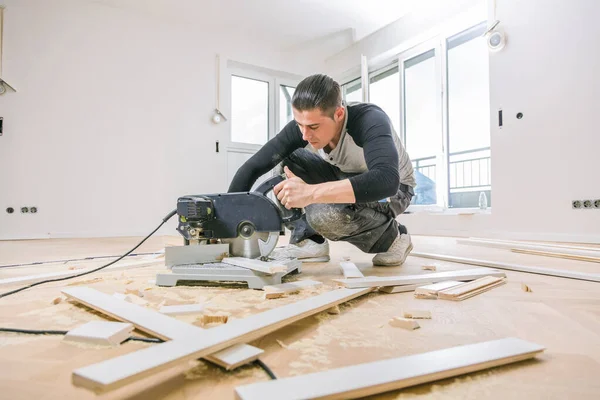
587, 204
24, 210
597, 203
33, 210
576, 204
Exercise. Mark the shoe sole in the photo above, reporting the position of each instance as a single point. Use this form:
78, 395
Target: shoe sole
406, 254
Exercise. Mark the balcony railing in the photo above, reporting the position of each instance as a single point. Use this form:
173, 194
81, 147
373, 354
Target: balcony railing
470, 169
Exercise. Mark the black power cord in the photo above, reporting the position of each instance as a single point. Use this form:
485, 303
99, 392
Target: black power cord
165, 219
266, 368
70, 260
53, 332
132, 338
140, 339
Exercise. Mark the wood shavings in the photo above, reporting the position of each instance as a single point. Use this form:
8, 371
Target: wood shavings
417, 314
216, 319
57, 300
526, 288
404, 323
335, 310
279, 342
429, 267
135, 292
86, 282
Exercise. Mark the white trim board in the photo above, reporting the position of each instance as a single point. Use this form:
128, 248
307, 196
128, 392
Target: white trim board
350, 270
383, 376
544, 244
157, 324
119, 371
267, 267
106, 333
526, 246
512, 267
460, 275
28, 279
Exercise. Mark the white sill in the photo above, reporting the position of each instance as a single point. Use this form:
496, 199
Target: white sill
435, 210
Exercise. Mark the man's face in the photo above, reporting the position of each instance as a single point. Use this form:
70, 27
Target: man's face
318, 128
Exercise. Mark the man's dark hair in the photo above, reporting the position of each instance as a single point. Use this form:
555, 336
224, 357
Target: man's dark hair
318, 91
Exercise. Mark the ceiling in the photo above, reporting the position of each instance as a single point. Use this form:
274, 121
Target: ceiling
287, 23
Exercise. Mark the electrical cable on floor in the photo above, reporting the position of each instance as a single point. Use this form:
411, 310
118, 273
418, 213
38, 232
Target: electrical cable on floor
165, 219
36, 263
132, 338
266, 368
53, 332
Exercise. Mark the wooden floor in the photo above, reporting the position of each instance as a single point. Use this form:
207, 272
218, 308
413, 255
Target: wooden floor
561, 314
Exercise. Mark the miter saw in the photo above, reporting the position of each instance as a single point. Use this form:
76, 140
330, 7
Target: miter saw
250, 222
246, 224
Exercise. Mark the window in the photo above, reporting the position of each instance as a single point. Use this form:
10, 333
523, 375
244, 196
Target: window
422, 130
438, 95
352, 91
468, 119
384, 91
249, 110
285, 104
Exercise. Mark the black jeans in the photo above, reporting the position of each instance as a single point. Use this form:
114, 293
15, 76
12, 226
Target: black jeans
372, 227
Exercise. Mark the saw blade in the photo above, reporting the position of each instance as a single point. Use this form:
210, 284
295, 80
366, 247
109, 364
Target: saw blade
260, 244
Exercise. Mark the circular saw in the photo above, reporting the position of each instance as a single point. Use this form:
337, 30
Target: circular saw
250, 222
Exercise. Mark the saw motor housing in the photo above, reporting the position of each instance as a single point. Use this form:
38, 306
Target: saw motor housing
244, 216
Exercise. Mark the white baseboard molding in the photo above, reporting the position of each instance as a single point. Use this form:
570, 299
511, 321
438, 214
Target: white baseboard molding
512, 267
119, 371
530, 246
460, 275
158, 325
383, 376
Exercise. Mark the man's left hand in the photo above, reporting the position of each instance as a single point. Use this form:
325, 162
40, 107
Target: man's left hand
294, 192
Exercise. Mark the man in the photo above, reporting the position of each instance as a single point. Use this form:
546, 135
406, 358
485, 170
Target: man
346, 167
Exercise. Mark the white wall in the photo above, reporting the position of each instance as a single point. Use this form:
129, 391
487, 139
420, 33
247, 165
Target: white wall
111, 121
549, 72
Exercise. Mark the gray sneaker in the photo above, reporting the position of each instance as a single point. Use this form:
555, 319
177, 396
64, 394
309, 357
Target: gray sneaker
305, 251
397, 253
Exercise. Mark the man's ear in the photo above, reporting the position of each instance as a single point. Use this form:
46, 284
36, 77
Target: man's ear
339, 113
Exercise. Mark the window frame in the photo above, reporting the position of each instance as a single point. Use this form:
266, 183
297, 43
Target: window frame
248, 73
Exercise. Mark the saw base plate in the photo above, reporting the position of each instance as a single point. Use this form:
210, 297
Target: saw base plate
220, 272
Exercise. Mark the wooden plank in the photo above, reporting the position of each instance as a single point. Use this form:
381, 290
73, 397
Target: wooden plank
513, 267
182, 309
100, 332
267, 267
469, 289
396, 373
544, 244
404, 323
399, 289
25, 280
527, 246
350, 270
154, 323
473, 292
119, 371
461, 275
557, 255
432, 290
236, 356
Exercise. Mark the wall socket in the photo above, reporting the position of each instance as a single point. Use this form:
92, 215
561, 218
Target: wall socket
585, 204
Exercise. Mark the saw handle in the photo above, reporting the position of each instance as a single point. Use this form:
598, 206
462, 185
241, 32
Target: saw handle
267, 186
